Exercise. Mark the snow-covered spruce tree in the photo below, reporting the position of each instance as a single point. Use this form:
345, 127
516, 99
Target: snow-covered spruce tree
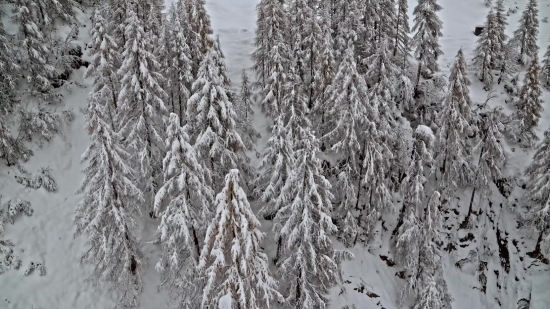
509, 65
244, 112
529, 105
274, 91
199, 40
313, 44
545, 70
491, 155
326, 65
178, 64
34, 51
401, 43
108, 211
303, 225
378, 25
486, 51
346, 111
271, 30
425, 42
527, 33
413, 192
349, 26
382, 70
537, 192
276, 166
431, 287
104, 51
183, 205
231, 259
452, 149
211, 119
501, 39
141, 102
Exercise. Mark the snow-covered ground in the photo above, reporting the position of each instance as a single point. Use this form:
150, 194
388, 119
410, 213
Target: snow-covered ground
370, 280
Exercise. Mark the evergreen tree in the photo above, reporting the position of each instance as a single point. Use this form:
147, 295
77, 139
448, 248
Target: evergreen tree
529, 105
537, 192
199, 40
231, 260
271, 27
486, 51
244, 111
306, 257
349, 27
452, 148
104, 51
425, 42
212, 120
108, 211
141, 101
501, 39
526, 34
432, 292
491, 155
34, 50
545, 70
346, 116
274, 90
401, 44
178, 67
188, 198
382, 70
326, 66
508, 66
414, 192
276, 166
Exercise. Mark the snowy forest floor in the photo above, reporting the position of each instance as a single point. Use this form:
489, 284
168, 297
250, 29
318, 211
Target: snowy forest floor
370, 281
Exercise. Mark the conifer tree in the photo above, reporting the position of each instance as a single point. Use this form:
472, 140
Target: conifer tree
141, 101
401, 44
34, 50
537, 192
178, 62
108, 211
271, 31
431, 286
244, 113
486, 51
452, 149
526, 34
276, 166
491, 155
545, 70
212, 120
529, 105
501, 39
346, 116
425, 42
231, 259
199, 40
104, 51
183, 204
306, 257
382, 70
413, 191
274, 90
349, 27
508, 66
326, 68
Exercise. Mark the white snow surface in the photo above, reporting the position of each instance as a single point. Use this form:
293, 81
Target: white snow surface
369, 280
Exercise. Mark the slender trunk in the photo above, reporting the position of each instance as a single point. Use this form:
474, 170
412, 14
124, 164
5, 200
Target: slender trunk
418, 75
359, 181
196, 242
279, 245
465, 223
396, 36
